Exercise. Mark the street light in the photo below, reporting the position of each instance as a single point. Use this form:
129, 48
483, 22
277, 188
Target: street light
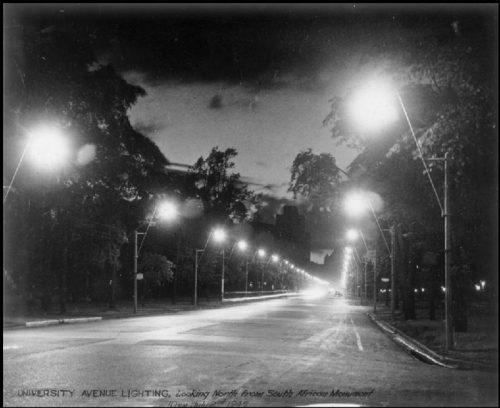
242, 246
368, 115
352, 234
219, 236
47, 148
379, 97
355, 204
167, 211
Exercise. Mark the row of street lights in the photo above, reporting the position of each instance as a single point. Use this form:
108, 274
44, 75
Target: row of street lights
219, 236
371, 108
48, 147
168, 211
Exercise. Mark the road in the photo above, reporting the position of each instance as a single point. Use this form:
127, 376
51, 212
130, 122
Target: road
284, 352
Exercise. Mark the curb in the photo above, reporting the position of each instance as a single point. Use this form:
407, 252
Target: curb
421, 351
257, 298
62, 321
411, 345
225, 302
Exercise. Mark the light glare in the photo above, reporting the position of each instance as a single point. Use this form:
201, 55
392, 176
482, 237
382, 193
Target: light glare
48, 147
242, 245
219, 235
167, 211
355, 204
373, 107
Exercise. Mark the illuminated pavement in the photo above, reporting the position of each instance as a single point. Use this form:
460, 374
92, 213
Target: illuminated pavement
309, 351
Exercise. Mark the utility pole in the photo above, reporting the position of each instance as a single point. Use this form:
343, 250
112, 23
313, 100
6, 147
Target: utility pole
135, 271
196, 251
222, 278
365, 292
246, 277
375, 283
448, 322
447, 258
393, 271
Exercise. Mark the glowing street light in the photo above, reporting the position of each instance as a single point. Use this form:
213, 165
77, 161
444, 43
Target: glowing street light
261, 252
275, 258
372, 107
352, 235
167, 211
242, 245
219, 235
356, 204
47, 148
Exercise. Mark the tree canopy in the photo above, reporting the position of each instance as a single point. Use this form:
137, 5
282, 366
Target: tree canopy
446, 83
87, 208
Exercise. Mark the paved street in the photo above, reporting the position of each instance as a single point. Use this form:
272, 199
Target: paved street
309, 351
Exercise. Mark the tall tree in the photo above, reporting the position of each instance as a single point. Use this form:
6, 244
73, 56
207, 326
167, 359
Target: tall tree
114, 170
316, 181
445, 79
221, 190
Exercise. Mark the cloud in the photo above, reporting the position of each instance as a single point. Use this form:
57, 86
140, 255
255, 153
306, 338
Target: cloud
215, 102
149, 129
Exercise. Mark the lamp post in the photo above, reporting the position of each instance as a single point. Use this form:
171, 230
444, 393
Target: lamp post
261, 253
374, 107
242, 246
48, 148
219, 236
166, 211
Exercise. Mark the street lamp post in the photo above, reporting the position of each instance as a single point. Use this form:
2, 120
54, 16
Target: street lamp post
222, 278
246, 277
375, 106
393, 271
167, 211
135, 271
47, 146
447, 254
196, 252
219, 236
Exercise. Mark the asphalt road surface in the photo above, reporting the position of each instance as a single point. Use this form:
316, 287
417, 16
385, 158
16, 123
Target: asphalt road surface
285, 352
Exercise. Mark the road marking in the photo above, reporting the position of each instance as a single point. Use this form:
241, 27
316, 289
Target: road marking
10, 347
358, 339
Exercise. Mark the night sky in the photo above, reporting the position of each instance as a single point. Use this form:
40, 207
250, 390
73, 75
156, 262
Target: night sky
254, 77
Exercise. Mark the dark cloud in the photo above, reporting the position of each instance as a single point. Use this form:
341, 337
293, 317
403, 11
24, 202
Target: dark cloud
258, 46
215, 102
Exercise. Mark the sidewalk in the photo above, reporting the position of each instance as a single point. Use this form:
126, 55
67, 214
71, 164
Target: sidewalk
475, 349
84, 312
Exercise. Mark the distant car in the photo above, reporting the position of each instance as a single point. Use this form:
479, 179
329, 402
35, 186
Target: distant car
338, 294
